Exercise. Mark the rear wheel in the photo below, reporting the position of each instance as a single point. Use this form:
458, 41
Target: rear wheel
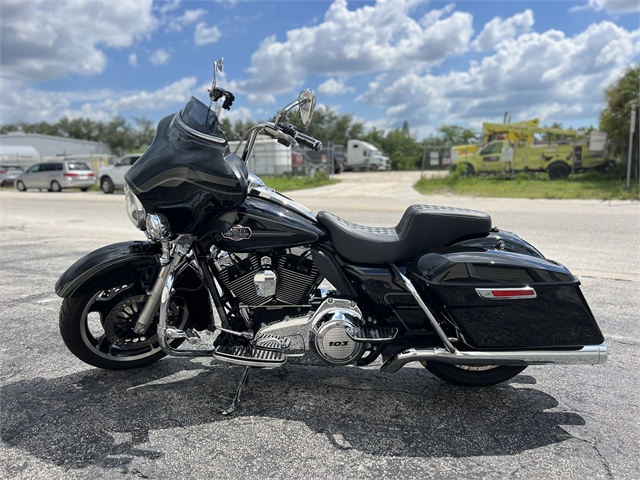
468, 376
558, 170
84, 189
98, 329
20, 186
55, 187
106, 185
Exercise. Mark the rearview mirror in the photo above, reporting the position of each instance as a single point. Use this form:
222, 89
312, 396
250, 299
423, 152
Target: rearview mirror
306, 106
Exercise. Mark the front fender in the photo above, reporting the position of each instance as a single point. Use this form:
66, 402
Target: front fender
111, 266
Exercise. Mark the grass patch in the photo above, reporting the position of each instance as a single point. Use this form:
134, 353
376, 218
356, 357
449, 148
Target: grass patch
587, 185
282, 184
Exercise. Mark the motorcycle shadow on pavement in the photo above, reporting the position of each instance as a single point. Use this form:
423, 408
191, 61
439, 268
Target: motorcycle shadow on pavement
104, 418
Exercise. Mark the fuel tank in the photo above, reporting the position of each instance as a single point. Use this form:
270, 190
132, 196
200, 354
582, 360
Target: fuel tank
261, 225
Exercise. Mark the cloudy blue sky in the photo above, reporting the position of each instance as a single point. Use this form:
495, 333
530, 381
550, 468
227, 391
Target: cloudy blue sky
426, 62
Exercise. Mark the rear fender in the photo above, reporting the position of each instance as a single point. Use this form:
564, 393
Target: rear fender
111, 266
500, 240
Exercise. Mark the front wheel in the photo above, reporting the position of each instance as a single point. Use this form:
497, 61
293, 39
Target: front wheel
106, 185
98, 329
469, 376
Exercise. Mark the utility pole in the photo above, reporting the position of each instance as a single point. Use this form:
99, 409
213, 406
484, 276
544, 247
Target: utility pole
632, 128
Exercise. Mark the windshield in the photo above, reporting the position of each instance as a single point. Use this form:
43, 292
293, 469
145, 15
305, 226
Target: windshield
492, 148
77, 166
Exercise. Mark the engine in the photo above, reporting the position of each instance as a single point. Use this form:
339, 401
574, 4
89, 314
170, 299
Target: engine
285, 277
331, 340
320, 337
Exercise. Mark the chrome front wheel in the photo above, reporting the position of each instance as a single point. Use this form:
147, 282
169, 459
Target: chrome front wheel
98, 329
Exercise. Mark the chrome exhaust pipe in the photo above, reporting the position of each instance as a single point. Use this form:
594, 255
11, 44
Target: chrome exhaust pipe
589, 355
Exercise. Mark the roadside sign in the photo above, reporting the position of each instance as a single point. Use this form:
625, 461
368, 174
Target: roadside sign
434, 158
507, 154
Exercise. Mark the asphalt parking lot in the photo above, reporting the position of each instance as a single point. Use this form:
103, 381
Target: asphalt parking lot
64, 419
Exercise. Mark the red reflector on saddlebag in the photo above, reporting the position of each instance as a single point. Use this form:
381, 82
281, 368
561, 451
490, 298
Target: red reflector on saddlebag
506, 293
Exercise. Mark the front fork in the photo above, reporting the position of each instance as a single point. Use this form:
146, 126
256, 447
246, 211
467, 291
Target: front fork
174, 256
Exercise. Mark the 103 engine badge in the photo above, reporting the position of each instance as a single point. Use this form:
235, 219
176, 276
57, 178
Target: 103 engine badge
237, 233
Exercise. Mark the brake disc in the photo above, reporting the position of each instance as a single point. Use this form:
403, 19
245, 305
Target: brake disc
118, 326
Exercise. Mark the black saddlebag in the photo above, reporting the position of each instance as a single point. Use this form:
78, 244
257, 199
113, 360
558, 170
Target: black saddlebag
503, 300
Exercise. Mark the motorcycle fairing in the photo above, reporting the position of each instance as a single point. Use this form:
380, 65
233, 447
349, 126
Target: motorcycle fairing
557, 316
185, 177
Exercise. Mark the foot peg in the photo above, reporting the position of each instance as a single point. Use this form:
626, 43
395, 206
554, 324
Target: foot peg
372, 335
273, 342
190, 335
250, 357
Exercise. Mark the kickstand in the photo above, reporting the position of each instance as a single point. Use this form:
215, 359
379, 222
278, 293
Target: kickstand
236, 399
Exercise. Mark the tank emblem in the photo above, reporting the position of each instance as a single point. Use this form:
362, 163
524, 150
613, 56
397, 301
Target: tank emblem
238, 233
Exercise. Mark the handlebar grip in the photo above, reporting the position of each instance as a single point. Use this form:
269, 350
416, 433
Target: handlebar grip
308, 141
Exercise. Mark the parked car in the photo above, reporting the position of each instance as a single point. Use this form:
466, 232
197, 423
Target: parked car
54, 176
112, 177
8, 174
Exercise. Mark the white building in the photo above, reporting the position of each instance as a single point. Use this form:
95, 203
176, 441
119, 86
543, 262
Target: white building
50, 147
268, 157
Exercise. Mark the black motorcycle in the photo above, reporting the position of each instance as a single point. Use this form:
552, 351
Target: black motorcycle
229, 256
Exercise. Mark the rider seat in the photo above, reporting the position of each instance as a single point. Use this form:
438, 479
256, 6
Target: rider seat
421, 228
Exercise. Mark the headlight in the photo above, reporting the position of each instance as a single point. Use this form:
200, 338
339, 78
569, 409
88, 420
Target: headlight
135, 210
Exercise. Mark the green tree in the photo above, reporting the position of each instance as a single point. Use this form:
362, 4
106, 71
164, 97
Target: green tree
622, 96
455, 134
329, 126
117, 133
403, 149
235, 130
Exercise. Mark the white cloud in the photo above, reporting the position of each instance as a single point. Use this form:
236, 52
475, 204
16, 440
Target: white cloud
334, 87
159, 57
498, 30
205, 35
261, 99
534, 75
169, 6
367, 39
175, 93
187, 18
133, 59
43, 40
235, 114
612, 7
22, 103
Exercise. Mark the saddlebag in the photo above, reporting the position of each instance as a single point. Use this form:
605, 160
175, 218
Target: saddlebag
504, 300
